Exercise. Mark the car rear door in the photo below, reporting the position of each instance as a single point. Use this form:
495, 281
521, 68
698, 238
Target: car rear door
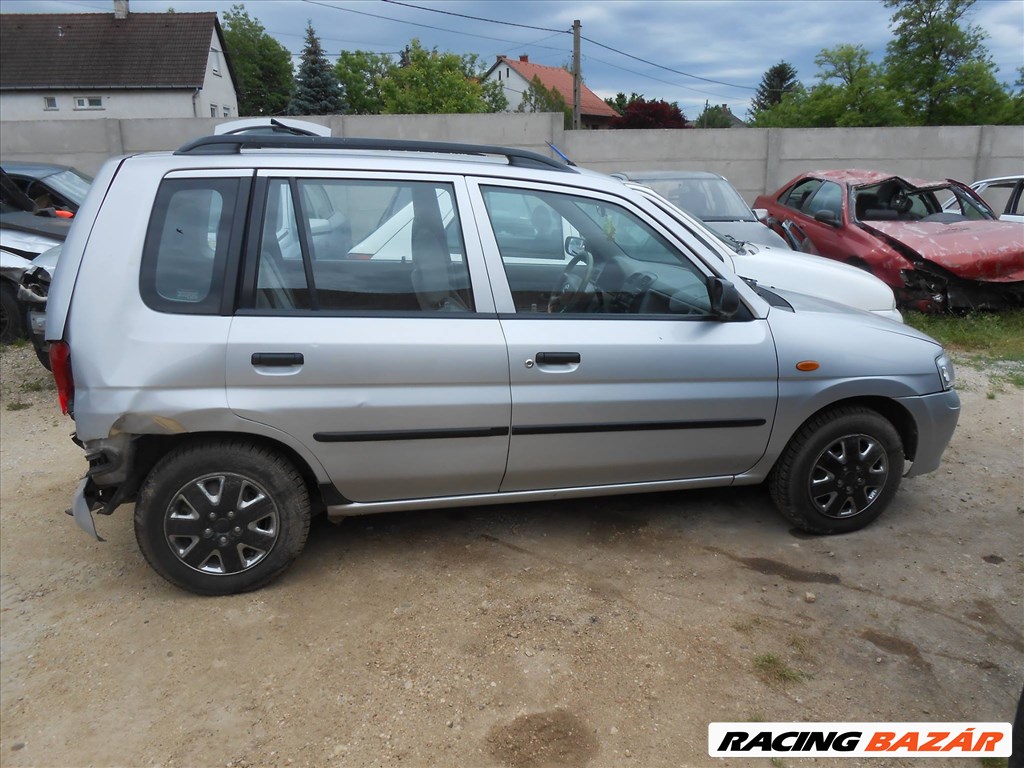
636, 382
391, 366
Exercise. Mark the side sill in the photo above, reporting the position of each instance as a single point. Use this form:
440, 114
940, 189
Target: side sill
338, 512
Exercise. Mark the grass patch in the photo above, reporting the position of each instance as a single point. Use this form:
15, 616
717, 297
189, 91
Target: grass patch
994, 762
39, 385
989, 335
18, 406
775, 670
747, 625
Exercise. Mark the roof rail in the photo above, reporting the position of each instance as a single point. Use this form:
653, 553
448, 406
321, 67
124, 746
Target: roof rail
225, 144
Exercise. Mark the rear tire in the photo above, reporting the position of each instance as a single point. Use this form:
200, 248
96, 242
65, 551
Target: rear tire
42, 349
839, 472
221, 517
12, 326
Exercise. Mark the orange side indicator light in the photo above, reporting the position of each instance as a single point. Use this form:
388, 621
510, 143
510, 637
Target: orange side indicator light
808, 365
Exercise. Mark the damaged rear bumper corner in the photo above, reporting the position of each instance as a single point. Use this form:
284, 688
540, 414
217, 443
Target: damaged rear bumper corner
82, 505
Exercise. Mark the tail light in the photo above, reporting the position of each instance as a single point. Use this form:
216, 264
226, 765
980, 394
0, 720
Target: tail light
60, 364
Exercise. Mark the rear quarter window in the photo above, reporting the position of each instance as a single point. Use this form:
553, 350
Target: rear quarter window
187, 245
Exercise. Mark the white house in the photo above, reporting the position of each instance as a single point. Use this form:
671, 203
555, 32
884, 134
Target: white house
515, 78
72, 66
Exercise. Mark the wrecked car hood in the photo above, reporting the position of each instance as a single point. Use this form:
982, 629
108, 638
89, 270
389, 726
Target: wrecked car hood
974, 250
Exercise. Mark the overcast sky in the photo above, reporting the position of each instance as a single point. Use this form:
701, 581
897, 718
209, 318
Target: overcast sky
729, 41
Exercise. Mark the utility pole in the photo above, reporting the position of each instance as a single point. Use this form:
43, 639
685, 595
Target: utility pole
576, 77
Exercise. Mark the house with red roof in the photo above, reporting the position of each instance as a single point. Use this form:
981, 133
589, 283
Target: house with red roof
516, 76
60, 66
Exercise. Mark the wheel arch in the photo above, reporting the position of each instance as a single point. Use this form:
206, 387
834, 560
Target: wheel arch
890, 409
148, 449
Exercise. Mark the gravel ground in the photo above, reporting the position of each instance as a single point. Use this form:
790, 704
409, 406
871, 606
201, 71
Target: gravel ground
603, 632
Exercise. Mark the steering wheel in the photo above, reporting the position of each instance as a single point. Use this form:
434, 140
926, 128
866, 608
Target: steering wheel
570, 287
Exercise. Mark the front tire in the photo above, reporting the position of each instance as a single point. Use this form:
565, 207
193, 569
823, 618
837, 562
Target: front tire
839, 472
221, 517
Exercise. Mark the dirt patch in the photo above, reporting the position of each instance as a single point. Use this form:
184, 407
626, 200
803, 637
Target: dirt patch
543, 740
596, 632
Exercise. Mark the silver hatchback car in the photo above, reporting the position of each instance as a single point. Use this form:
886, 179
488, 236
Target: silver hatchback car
246, 336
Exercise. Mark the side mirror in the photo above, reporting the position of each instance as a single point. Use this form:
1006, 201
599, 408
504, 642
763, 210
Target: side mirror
827, 217
761, 213
575, 246
725, 299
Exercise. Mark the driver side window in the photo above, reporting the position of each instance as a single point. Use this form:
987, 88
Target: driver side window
569, 255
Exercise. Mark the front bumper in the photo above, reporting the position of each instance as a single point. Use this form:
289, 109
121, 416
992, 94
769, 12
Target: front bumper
936, 417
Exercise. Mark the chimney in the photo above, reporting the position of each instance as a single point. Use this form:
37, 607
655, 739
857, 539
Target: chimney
120, 9
524, 58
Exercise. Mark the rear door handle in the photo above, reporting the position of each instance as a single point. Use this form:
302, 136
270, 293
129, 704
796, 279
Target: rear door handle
277, 359
558, 358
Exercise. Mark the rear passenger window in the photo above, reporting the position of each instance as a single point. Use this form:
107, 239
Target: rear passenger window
187, 245
353, 246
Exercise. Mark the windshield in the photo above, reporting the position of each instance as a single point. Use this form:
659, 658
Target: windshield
72, 185
709, 199
894, 200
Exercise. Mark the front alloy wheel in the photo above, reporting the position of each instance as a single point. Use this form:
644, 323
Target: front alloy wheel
848, 476
839, 472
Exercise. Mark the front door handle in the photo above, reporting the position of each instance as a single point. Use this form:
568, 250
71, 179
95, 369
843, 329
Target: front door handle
558, 358
277, 359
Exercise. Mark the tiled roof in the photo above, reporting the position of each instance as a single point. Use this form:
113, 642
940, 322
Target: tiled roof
96, 50
558, 79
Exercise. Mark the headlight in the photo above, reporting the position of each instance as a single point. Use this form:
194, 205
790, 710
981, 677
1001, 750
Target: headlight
947, 376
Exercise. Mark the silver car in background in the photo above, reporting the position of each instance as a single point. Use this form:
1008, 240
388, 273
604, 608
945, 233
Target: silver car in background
246, 366
712, 199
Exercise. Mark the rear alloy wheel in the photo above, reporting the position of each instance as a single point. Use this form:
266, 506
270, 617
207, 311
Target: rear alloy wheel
222, 517
839, 472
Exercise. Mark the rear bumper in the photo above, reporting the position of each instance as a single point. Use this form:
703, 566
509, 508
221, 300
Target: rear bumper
82, 504
936, 417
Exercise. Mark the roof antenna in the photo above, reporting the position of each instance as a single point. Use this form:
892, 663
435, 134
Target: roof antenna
561, 154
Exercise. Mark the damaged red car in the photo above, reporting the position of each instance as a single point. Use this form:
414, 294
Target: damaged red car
895, 227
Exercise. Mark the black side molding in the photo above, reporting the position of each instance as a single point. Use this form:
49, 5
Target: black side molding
413, 434
641, 426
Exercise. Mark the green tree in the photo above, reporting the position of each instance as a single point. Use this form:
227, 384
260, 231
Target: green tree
776, 82
431, 82
1013, 112
538, 98
714, 116
361, 75
316, 87
938, 66
850, 92
620, 102
262, 66
493, 92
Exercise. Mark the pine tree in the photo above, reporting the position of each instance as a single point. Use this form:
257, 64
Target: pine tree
775, 83
316, 87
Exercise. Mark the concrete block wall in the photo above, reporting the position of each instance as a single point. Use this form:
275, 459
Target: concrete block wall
755, 160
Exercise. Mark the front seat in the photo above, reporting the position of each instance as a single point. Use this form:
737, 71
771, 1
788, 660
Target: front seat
431, 275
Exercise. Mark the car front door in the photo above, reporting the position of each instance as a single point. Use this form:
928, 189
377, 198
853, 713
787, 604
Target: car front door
389, 366
620, 373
